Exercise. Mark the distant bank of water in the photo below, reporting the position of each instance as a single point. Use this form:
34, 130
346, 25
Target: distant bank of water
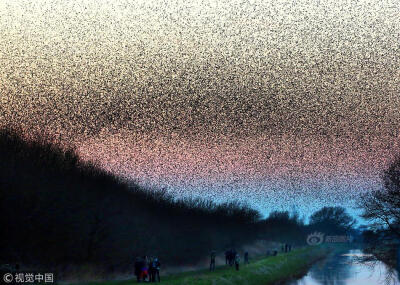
348, 269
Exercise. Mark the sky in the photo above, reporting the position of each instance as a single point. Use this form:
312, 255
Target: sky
280, 104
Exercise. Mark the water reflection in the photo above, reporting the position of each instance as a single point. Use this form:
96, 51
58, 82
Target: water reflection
348, 269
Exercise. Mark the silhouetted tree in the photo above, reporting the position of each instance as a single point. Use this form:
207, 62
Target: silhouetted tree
332, 219
382, 207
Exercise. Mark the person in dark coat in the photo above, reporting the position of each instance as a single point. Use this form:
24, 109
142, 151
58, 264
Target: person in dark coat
151, 270
212, 260
231, 257
237, 261
138, 268
246, 258
154, 269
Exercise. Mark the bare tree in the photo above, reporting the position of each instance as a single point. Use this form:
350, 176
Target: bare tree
382, 207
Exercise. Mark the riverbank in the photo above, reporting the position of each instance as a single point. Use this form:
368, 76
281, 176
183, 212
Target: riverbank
270, 270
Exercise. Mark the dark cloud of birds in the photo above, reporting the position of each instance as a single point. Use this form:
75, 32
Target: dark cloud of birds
282, 76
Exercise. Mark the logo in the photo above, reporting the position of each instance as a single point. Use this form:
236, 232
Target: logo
315, 238
8, 278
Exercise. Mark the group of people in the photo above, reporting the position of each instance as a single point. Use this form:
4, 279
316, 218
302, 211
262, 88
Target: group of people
231, 258
147, 269
286, 247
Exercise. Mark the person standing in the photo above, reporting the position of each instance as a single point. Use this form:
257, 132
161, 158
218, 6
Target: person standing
231, 257
144, 274
156, 265
237, 261
246, 258
138, 268
212, 260
152, 270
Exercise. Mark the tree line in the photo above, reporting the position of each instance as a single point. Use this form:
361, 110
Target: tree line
60, 211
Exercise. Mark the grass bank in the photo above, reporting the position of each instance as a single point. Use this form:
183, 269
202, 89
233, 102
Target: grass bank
270, 270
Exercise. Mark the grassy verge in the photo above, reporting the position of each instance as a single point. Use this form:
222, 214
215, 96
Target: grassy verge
269, 270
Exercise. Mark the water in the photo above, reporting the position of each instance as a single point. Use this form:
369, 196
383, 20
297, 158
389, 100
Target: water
348, 269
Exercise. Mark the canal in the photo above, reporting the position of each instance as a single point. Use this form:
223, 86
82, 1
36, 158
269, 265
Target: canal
348, 268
